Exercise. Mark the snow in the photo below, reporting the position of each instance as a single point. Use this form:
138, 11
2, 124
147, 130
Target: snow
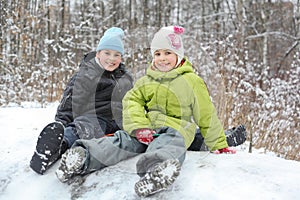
203, 175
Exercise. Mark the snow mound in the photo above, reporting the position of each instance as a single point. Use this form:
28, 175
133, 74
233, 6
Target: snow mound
203, 175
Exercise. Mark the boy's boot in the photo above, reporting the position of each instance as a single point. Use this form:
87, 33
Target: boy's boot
159, 178
236, 136
71, 163
49, 147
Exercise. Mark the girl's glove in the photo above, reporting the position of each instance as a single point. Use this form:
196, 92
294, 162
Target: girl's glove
229, 150
144, 135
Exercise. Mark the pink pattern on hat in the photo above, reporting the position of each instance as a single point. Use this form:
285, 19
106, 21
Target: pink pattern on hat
174, 40
178, 30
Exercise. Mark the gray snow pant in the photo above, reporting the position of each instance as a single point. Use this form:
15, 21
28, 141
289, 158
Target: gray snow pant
108, 151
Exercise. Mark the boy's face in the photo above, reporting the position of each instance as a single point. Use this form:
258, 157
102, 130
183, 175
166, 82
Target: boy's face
109, 59
164, 60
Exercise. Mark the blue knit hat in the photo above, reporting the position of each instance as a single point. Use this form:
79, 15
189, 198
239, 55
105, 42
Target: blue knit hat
112, 40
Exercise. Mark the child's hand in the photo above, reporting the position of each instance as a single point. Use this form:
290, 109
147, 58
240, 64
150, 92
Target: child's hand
229, 150
144, 135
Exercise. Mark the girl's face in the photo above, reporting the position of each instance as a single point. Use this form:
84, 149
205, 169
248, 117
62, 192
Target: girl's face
164, 60
109, 59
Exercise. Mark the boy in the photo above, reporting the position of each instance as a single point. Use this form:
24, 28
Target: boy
91, 106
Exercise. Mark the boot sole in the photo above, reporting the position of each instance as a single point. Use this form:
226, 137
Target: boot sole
159, 179
236, 136
71, 163
47, 148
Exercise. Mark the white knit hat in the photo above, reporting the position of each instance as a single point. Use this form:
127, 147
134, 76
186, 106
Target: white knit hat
169, 38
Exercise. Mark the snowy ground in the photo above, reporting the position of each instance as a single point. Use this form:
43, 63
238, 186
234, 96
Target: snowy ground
204, 176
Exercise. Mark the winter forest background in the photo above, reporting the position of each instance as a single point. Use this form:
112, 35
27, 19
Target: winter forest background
247, 52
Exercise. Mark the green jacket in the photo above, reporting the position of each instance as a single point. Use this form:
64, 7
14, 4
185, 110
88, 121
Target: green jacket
177, 99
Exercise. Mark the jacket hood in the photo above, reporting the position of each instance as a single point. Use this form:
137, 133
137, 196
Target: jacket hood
185, 68
89, 56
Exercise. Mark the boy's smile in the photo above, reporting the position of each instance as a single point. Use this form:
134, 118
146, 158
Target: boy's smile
109, 59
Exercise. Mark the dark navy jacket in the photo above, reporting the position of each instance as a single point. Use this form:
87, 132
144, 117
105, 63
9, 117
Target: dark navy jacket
92, 100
